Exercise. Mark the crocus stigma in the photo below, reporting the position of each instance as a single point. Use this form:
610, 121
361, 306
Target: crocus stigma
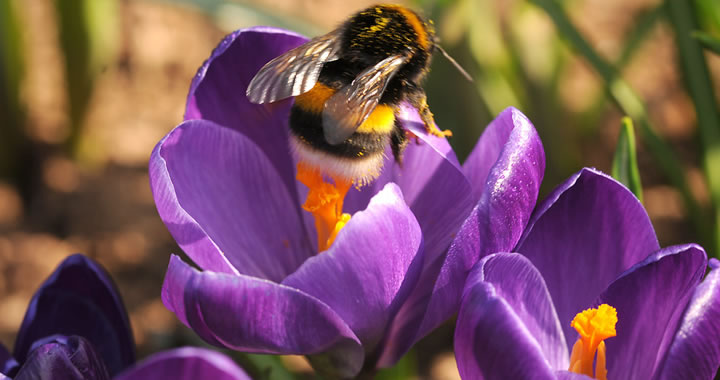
325, 202
594, 326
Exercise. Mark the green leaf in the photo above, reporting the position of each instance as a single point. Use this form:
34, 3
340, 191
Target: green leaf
699, 85
624, 168
263, 367
88, 33
406, 368
708, 42
13, 140
708, 12
641, 29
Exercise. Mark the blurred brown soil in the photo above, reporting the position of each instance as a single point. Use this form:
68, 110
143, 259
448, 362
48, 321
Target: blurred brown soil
102, 207
654, 74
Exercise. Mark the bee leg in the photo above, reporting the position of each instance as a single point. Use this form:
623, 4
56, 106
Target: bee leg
398, 142
412, 136
419, 100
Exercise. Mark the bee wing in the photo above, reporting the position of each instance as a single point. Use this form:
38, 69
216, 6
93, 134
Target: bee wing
296, 71
348, 108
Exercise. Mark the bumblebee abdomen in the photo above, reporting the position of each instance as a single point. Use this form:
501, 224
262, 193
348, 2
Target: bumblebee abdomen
380, 121
359, 158
371, 137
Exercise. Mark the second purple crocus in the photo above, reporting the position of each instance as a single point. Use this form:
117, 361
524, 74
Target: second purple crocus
76, 328
590, 243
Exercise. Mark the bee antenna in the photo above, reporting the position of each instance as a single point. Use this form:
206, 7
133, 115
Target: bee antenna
454, 62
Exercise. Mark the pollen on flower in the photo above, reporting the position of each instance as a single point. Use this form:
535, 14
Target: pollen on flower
325, 202
594, 326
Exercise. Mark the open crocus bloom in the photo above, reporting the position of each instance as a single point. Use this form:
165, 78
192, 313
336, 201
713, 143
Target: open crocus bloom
224, 183
76, 328
590, 243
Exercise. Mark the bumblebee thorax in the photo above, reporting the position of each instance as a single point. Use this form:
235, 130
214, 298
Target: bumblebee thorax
384, 30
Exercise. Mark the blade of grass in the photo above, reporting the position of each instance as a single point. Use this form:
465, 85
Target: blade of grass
630, 104
13, 140
624, 168
708, 42
640, 31
75, 44
709, 13
645, 23
87, 31
700, 87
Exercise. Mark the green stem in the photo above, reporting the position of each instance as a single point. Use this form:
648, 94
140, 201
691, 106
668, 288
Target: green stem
700, 87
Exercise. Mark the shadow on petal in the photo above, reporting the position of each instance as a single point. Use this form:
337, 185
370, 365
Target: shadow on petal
225, 204
217, 93
370, 269
491, 339
650, 299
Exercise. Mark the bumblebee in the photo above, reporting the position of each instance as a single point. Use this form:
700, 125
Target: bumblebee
348, 86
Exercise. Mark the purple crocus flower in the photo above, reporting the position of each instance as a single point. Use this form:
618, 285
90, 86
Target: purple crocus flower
76, 328
224, 184
590, 243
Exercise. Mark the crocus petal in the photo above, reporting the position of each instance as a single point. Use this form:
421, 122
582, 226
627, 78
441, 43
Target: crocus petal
370, 269
650, 299
565, 375
217, 92
511, 131
79, 298
438, 194
432, 183
494, 225
582, 236
187, 363
520, 284
8, 364
492, 339
695, 352
255, 315
70, 358
224, 203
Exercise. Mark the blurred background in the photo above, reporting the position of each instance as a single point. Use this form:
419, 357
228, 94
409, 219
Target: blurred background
88, 87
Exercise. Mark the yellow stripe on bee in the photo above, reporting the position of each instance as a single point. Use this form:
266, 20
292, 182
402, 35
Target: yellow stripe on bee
314, 100
415, 22
381, 120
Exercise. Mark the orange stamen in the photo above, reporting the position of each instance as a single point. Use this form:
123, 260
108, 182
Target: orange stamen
325, 202
594, 326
